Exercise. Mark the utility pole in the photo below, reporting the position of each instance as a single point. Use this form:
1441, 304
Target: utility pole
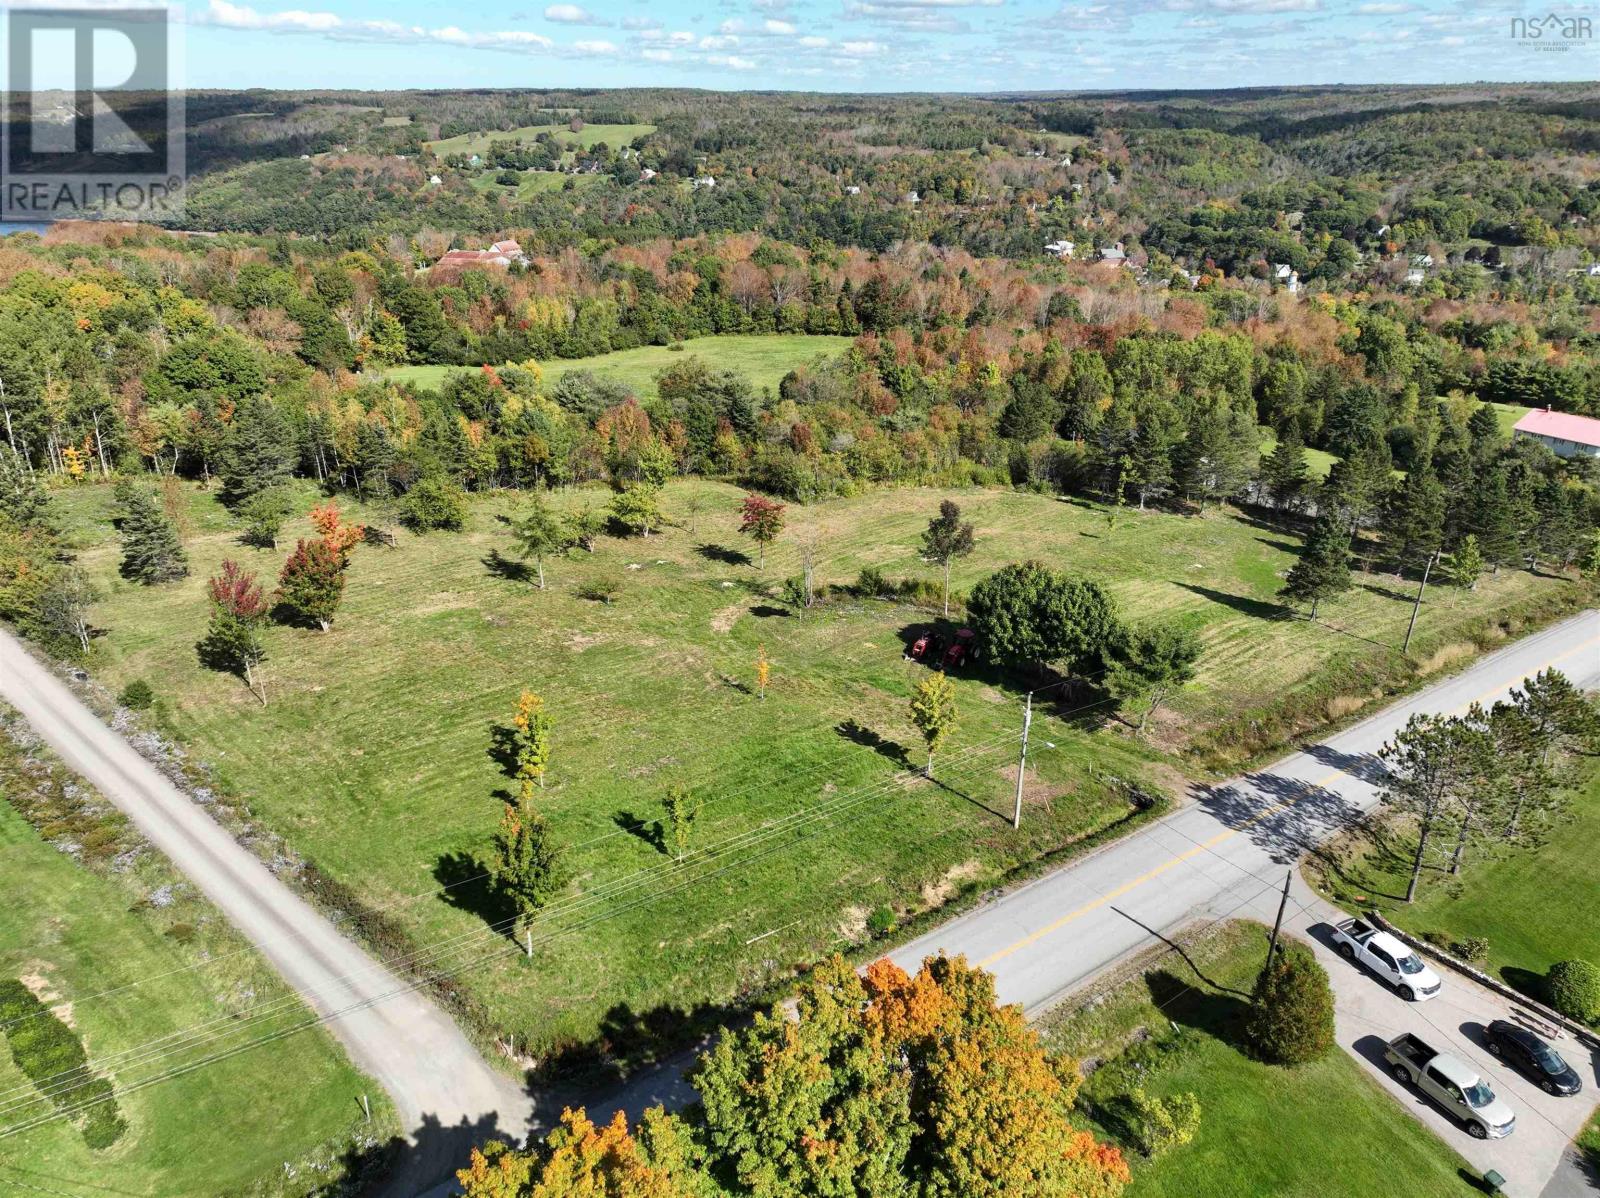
1022, 760
1417, 606
1272, 945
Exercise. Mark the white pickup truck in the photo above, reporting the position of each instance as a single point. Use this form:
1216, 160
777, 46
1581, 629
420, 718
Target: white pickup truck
1387, 956
1458, 1088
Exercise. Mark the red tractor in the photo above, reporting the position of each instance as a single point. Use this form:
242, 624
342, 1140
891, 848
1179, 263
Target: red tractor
925, 647
960, 649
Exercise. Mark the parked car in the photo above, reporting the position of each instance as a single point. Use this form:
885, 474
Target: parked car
1455, 1086
1533, 1056
1389, 957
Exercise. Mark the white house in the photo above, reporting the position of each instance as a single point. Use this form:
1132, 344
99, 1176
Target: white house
1594, 269
1566, 435
913, 198
1416, 276
1114, 254
705, 181
852, 190
1282, 271
435, 181
646, 175
1061, 249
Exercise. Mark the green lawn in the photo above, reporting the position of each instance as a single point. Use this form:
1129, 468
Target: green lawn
615, 136
1324, 1130
1319, 460
73, 932
373, 756
533, 182
1534, 908
764, 360
1508, 414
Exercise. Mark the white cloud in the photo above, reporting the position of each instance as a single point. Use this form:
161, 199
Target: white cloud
777, 28
570, 14
595, 47
813, 42
640, 23
723, 42
861, 49
732, 61
656, 55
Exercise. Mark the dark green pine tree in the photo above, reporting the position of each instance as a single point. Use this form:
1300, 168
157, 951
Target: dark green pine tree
258, 451
1413, 517
151, 551
1323, 570
1559, 522
1494, 521
1285, 474
1484, 429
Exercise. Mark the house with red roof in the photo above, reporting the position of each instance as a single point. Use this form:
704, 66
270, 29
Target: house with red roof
1566, 435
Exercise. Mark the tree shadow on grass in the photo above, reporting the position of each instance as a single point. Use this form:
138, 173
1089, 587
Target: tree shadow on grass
652, 832
631, 1040
465, 884
1258, 608
1525, 981
859, 734
765, 611
503, 748
1187, 999
510, 569
724, 555
1386, 592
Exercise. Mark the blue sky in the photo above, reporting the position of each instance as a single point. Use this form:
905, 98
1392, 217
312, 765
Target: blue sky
869, 45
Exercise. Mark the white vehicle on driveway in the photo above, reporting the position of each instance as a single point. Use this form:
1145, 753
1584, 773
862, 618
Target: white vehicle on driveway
1387, 956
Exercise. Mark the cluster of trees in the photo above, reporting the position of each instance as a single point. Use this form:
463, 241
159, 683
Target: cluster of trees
877, 1086
1491, 780
1030, 617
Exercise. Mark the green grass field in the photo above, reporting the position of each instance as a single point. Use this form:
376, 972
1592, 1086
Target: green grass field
764, 360
170, 962
1319, 460
1323, 1130
1534, 908
534, 182
615, 136
373, 758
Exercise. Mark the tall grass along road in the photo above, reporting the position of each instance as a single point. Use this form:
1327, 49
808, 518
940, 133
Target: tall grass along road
447, 1096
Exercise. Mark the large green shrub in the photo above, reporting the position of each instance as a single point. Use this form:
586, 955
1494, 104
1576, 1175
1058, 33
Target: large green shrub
1574, 989
1159, 1124
434, 503
50, 1055
1291, 1016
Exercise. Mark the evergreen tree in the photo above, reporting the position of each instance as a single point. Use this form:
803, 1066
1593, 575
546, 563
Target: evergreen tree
1493, 521
1285, 474
1466, 563
1413, 518
1217, 455
258, 451
539, 532
527, 867
22, 497
151, 550
1291, 1015
1148, 665
1149, 459
1323, 569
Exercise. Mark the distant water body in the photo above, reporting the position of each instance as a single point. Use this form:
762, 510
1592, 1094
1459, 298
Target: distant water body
8, 227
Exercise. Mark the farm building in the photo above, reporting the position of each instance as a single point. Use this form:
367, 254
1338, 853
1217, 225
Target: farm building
1566, 435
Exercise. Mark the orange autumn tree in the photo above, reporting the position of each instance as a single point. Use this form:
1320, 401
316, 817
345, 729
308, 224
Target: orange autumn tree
581, 1159
893, 1086
991, 1106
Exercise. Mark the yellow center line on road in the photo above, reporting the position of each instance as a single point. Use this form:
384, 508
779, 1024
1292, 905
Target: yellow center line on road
1228, 833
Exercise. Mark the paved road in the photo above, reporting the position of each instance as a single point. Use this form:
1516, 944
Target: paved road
1048, 937
1226, 852
448, 1097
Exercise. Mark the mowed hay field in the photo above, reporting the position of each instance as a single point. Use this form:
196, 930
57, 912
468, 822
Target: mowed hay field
615, 136
136, 959
373, 757
764, 360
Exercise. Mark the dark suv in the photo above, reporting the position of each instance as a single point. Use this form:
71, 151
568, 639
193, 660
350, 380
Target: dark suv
1533, 1057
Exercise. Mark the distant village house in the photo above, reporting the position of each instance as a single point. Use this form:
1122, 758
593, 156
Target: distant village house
1565, 435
